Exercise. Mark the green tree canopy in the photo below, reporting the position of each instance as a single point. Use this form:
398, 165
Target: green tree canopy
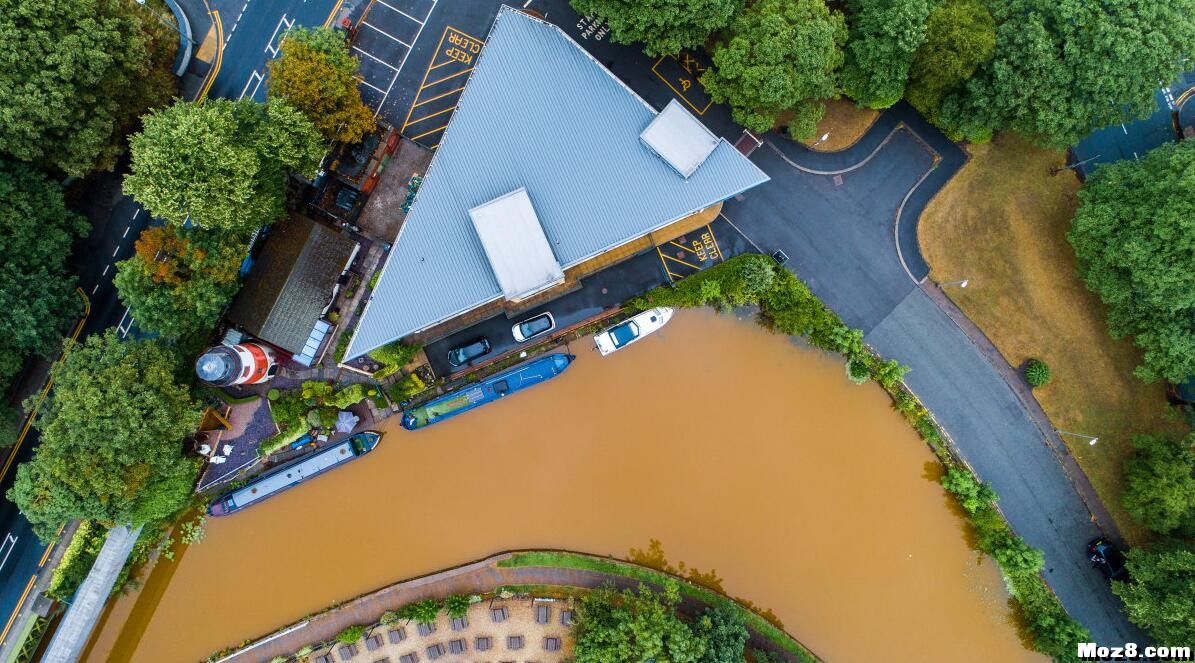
884, 35
636, 627
111, 438
1161, 596
1064, 67
960, 35
782, 55
223, 163
1160, 478
664, 27
316, 74
74, 77
725, 636
179, 281
1134, 235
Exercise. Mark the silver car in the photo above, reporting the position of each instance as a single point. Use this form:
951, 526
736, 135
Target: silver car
532, 327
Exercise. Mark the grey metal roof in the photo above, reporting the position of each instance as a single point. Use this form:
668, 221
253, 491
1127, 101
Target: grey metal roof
538, 112
679, 138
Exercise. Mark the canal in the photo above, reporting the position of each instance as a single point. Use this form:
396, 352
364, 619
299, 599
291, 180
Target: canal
736, 449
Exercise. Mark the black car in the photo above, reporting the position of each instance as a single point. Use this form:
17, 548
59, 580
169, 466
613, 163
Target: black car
1108, 559
463, 354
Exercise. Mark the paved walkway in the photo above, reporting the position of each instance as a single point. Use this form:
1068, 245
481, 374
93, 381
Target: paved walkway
475, 578
845, 219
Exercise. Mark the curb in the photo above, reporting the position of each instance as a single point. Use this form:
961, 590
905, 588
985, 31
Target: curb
186, 40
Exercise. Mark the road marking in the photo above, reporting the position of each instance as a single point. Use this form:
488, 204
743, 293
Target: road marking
370, 86
331, 14
9, 545
427, 117
374, 57
106, 268
439, 96
270, 48
678, 260
115, 251
385, 4
254, 77
125, 233
215, 70
20, 601
404, 62
525, 4
441, 80
121, 327
429, 132
97, 287
379, 30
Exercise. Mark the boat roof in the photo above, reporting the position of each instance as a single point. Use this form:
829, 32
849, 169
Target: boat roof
283, 477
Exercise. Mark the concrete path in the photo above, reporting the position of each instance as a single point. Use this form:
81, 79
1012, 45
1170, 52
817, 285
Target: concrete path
847, 220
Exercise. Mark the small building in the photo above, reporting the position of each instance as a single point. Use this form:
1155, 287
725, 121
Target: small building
549, 170
292, 284
241, 363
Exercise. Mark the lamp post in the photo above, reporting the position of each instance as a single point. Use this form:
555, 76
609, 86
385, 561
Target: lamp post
1091, 439
962, 283
168, 24
1054, 170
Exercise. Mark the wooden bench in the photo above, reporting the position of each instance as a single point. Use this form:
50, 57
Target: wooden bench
551, 644
426, 629
435, 651
396, 635
543, 614
483, 643
514, 642
347, 652
460, 623
373, 642
499, 614
457, 646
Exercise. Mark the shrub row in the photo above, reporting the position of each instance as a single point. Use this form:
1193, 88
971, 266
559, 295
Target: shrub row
77, 560
788, 306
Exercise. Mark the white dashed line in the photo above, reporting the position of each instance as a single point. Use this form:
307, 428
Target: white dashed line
97, 287
126, 232
115, 251
106, 268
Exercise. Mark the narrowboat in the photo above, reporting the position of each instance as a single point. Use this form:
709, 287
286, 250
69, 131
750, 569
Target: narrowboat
291, 474
490, 389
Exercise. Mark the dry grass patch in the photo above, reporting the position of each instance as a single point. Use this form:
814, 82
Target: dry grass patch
1002, 223
844, 121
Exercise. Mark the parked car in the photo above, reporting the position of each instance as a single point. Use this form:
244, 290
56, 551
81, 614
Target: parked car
532, 327
628, 331
464, 354
1108, 559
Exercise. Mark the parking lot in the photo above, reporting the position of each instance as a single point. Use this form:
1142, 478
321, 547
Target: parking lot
440, 89
383, 37
679, 72
690, 253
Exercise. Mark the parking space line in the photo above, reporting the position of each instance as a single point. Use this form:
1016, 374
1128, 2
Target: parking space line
372, 87
385, 4
439, 96
426, 117
377, 29
429, 132
374, 57
441, 80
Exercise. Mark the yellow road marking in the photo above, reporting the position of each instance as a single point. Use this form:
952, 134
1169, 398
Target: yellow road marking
428, 132
439, 96
714, 237
215, 70
332, 14
421, 83
679, 260
426, 117
21, 601
207, 49
434, 146
12, 456
699, 111
675, 243
435, 82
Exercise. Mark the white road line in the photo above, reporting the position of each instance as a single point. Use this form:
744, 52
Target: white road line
372, 87
9, 545
377, 29
126, 232
1124, 129
250, 80
115, 251
404, 61
270, 44
374, 57
525, 4
106, 268
136, 214
121, 327
97, 287
384, 4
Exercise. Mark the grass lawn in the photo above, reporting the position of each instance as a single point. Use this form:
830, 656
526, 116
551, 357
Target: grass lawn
1002, 223
844, 121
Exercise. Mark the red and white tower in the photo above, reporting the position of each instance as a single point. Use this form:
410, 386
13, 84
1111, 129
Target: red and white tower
244, 363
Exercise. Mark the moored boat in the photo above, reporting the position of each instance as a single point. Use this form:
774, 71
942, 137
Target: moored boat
490, 389
632, 329
291, 474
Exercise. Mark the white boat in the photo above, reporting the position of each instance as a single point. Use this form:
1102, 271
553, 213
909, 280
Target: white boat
628, 331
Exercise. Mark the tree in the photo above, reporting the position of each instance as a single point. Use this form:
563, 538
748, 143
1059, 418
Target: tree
1132, 236
37, 294
663, 27
1064, 67
1161, 596
884, 35
630, 626
960, 35
725, 636
74, 77
111, 439
782, 55
222, 164
316, 74
1160, 478
179, 281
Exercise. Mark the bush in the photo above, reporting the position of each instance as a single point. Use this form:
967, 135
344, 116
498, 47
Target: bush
342, 344
354, 393
273, 394
971, 493
890, 373
410, 385
373, 280
425, 612
392, 357
857, 371
351, 634
1037, 373
389, 617
77, 560
456, 605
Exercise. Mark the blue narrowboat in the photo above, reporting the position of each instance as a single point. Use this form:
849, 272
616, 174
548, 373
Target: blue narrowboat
490, 389
293, 473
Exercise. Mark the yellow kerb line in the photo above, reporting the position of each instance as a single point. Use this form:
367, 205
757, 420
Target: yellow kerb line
20, 602
215, 70
339, 4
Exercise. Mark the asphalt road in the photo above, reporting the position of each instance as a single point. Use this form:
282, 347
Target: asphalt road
839, 231
117, 221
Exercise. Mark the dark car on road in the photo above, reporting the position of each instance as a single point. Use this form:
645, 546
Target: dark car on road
1108, 559
464, 354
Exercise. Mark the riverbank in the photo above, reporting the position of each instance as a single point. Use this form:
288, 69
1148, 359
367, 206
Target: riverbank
519, 584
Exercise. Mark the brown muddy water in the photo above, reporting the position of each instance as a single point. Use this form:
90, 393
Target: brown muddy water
736, 449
